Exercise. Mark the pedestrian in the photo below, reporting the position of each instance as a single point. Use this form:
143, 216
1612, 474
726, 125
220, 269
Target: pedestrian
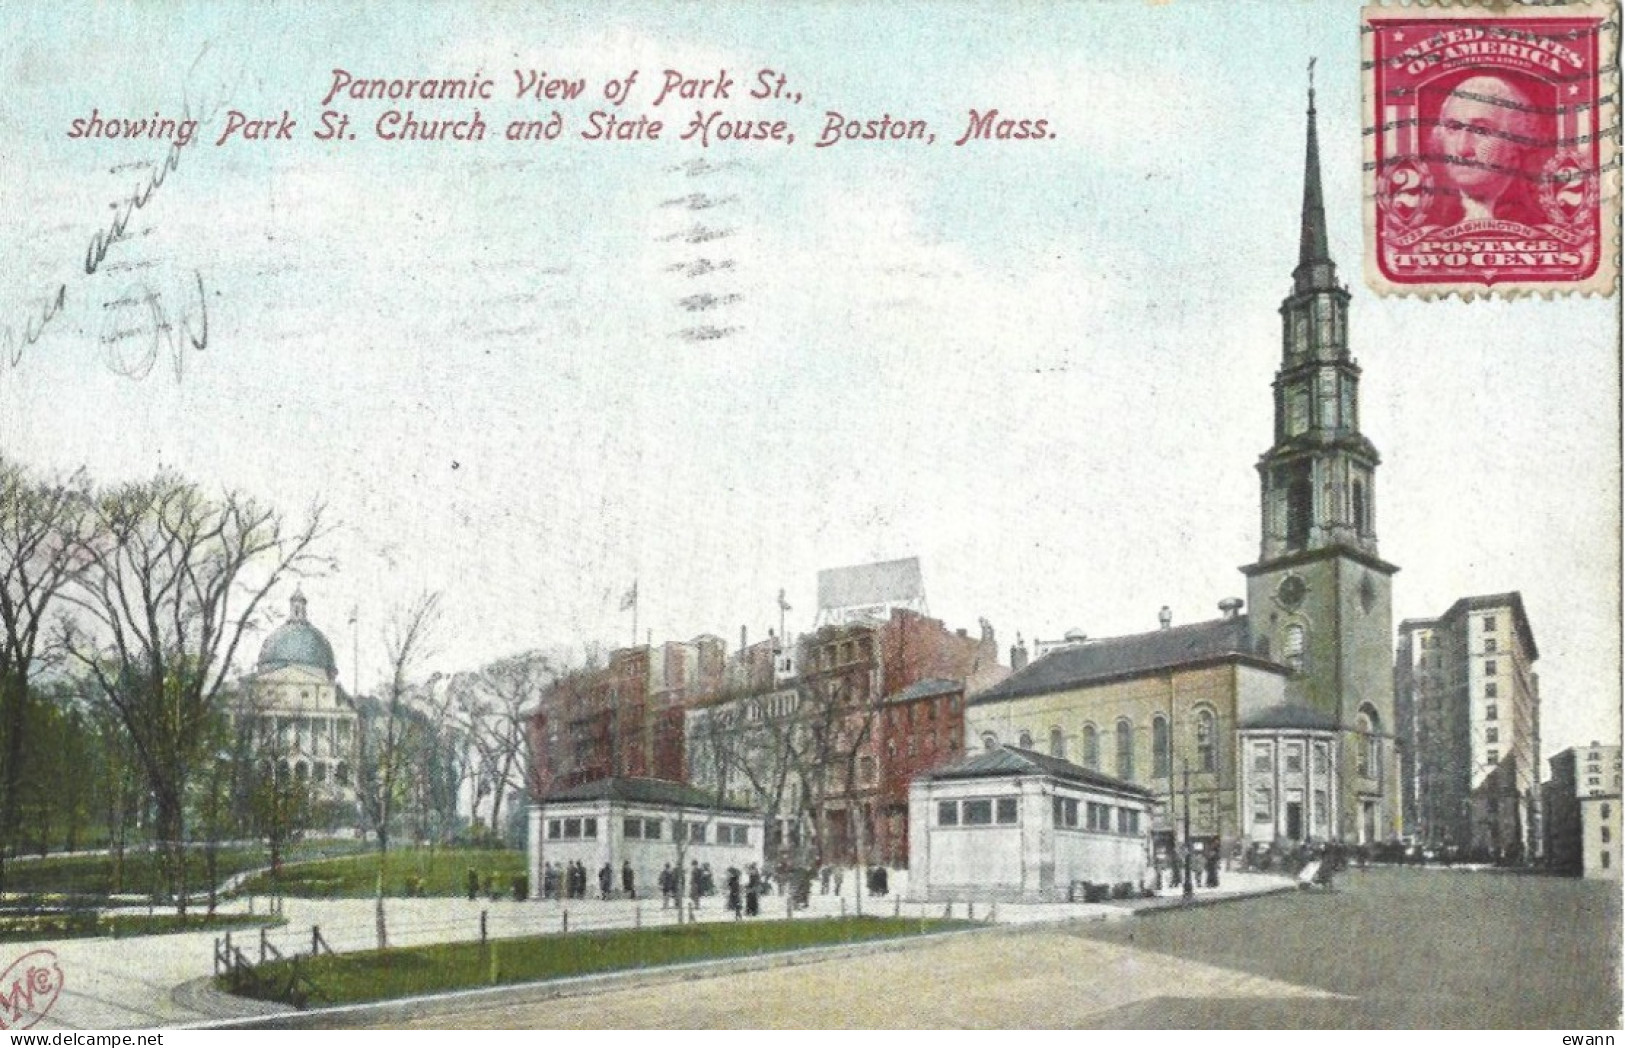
733, 891
1213, 868
838, 875
694, 883
606, 880
666, 886
823, 880
753, 891
708, 884
628, 884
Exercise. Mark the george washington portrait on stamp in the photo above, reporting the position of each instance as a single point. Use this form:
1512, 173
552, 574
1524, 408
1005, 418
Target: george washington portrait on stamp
1489, 148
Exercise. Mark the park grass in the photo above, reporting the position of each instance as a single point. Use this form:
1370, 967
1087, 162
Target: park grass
96, 875
90, 924
441, 872
378, 975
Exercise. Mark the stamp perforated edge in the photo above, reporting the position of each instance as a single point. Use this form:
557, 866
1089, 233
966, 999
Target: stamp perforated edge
1601, 283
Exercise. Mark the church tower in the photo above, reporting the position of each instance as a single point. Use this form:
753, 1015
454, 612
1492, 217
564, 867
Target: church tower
1319, 596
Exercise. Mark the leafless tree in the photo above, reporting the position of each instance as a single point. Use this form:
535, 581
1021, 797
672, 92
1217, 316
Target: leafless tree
171, 579
836, 723
391, 732
494, 708
42, 523
789, 753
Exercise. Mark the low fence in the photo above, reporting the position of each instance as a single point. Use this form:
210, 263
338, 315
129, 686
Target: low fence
248, 972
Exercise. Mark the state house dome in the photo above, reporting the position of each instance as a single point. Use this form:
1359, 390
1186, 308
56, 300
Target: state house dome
297, 643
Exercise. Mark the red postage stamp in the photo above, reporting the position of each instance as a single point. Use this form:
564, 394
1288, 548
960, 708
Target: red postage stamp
1490, 139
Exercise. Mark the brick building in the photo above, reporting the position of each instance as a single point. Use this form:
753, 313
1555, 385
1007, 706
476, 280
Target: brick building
624, 719
835, 730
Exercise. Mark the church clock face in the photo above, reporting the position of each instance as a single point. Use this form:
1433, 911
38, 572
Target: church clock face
1291, 591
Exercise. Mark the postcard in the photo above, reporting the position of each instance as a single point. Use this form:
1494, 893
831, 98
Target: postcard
812, 515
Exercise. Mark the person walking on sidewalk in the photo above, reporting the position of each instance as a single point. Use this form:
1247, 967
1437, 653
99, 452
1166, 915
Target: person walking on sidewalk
628, 883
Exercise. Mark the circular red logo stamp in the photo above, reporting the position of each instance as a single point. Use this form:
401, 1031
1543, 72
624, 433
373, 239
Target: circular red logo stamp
28, 989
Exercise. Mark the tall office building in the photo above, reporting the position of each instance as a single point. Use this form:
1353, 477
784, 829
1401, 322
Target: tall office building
1468, 703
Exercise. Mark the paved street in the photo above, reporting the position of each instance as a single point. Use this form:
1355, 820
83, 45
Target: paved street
1398, 949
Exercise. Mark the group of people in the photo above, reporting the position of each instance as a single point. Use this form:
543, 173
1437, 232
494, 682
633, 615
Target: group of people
744, 888
569, 881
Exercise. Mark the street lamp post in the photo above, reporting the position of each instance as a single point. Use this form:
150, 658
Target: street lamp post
1189, 887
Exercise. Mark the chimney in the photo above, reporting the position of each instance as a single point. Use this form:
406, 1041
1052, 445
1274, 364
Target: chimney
1230, 607
1018, 655
1165, 617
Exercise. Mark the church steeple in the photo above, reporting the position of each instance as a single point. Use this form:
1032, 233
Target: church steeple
1315, 269
1317, 478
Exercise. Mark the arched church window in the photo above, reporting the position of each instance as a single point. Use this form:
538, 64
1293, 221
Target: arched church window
1057, 743
1206, 750
1091, 747
990, 741
1293, 645
1125, 750
1161, 759
1360, 524
1026, 740
1369, 744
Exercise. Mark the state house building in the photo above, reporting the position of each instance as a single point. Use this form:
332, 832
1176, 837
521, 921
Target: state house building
1284, 716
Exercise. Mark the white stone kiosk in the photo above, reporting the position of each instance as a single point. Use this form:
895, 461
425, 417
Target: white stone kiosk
1018, 826
646, 822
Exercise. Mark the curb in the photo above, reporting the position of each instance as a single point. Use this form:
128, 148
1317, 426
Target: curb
1177, 904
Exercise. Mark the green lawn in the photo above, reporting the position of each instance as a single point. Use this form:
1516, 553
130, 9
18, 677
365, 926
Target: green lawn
376, 975
443, 873
89, 924
96, 875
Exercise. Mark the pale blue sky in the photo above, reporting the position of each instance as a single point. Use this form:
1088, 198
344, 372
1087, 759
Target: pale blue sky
1042, 367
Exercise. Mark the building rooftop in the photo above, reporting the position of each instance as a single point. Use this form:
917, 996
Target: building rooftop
642, 791
297, 643
1289, 716
1112, 658
1013, 760
1512, 603
926, 689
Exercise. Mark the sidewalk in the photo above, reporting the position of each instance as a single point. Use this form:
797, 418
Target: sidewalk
163, 980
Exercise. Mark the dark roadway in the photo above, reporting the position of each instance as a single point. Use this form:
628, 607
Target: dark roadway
1413, 948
